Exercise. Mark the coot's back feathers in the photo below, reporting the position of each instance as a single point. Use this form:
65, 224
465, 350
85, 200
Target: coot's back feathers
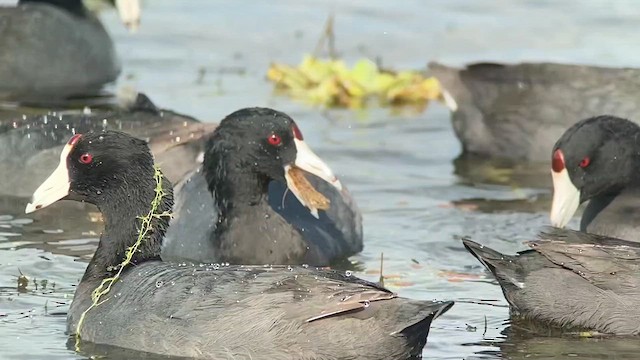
571, 279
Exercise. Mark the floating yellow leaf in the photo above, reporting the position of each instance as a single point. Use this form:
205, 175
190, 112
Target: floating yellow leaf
331, 83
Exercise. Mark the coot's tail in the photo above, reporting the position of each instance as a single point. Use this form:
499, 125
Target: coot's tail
420, 314
506, 269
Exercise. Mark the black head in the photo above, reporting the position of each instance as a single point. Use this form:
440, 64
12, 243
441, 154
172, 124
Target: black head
253, 146
99, 168
596, 156
114, 171
262, 141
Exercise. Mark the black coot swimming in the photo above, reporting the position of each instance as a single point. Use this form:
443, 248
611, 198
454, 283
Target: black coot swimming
56, 48
582, 280
518, 111
251, 204
598, 160
213, 312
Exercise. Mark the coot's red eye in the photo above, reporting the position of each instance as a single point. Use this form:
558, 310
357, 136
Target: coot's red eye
274, 140
585, 162
86, 158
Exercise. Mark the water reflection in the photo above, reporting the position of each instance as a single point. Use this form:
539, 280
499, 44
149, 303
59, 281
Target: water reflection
521, 344
96, 351
503, 172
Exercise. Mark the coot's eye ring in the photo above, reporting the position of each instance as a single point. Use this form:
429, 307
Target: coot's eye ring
274, 140
585, 162
86, 158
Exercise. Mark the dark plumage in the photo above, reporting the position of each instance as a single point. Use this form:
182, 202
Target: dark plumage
214, 312
571, 279
253, 218
517, 111
31, 144
53, 49
598, 160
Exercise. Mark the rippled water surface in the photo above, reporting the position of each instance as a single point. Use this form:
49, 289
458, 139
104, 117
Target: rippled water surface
207, 58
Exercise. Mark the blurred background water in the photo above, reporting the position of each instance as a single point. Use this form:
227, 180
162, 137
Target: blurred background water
208, 58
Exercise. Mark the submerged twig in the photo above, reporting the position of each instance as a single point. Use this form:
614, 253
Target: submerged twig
481, 302
485, 326
328, 37
381, 280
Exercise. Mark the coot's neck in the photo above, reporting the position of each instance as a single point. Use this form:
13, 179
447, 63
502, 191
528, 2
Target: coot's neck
122, 211
598, 203
248, 230
237, 188
75, 7
233, 178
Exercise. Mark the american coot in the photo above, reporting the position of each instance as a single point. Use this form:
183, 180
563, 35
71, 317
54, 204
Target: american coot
55, 48
256, 215
213, 312
517, 111
573, 280
30, 145
598, 159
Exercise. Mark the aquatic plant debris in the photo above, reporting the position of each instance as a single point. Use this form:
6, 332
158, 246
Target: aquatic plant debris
23, 282
331, 83
312, 198
145, 228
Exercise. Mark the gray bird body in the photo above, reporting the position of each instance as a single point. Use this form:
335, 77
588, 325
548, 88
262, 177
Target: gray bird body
518, 111
195, 218
617, 216
254, 313
48, 51
571, 279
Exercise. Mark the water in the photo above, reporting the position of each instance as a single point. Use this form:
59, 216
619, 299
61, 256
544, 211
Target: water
416, 200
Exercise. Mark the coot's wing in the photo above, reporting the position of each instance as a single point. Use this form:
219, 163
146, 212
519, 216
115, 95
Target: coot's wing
336, 234
331, 292
274, 313
194, 217
608, 263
